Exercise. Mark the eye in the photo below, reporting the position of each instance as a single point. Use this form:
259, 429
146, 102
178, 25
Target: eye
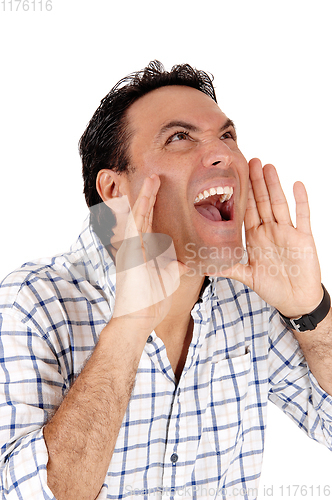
229, 135
178, 136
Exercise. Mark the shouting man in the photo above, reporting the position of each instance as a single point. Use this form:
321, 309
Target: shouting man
140, 363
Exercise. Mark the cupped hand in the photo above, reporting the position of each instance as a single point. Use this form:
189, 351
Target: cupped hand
147, 270
283, 267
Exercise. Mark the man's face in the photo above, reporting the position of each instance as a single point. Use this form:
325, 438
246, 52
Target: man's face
181, 134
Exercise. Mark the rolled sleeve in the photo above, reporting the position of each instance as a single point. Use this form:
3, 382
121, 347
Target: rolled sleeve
23, 472
31, 388
294, 389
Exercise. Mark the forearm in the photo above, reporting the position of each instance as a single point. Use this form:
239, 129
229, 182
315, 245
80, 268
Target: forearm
317, 349
81, 436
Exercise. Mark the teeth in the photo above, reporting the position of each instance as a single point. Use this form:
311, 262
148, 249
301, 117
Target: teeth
226, 193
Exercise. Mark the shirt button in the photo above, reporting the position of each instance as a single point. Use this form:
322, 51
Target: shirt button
149, 339
174, 458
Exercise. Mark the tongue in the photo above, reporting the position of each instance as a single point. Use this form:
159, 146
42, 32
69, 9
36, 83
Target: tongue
209, 212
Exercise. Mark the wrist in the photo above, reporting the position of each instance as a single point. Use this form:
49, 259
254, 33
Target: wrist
310, 321
125, 329
313, 308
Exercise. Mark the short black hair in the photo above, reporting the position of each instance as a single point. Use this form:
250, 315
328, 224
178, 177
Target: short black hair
105, 142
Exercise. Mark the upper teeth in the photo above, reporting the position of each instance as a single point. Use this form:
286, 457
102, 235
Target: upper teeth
225, 193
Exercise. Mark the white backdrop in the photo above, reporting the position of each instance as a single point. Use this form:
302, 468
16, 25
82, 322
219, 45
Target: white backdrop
272, 66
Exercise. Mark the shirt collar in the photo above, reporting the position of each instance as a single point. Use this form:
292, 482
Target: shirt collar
99, 268
94, 261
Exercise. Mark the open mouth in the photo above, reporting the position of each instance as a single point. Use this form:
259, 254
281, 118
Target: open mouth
215, 204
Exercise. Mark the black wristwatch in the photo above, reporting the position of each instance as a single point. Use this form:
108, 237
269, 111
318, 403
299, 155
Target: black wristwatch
310, 321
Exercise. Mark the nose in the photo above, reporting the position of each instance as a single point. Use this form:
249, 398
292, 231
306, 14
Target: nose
216, 153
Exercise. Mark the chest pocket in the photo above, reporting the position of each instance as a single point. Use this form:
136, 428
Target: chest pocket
228, 394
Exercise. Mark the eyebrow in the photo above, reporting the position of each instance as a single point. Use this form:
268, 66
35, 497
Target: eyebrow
192, 128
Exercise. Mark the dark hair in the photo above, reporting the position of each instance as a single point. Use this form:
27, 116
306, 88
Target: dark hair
105, 142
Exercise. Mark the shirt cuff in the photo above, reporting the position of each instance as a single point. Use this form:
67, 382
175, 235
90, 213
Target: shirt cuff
24, 473
322, 401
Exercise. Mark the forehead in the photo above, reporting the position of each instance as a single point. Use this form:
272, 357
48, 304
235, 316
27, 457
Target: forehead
155, 109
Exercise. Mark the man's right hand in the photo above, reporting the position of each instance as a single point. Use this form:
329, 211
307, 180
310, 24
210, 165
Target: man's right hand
147, 270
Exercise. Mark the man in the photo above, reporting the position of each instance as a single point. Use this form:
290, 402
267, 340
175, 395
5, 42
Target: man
161, 387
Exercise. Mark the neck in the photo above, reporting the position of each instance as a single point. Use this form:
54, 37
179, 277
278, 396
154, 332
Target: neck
183, 300
176, 329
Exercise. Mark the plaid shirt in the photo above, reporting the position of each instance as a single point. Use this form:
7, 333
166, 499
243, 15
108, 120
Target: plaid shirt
201, 438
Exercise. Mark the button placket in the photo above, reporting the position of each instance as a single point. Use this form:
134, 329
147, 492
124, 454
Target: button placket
172, 454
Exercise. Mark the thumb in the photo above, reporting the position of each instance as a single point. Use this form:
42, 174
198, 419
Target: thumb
239, 272
171, 276
183, 269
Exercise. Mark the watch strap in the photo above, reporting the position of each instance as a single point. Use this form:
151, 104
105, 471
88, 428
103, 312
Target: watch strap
310, 321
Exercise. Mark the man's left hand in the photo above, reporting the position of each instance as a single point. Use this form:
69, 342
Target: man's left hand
282, 267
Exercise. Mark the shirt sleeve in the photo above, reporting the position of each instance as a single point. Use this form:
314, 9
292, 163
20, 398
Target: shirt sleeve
293, 388
31, 388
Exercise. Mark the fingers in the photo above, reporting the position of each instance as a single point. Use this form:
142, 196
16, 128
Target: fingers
140, 219
260, 192
143, 208
252, 217
279, 203
302, 208
267, 202
152, 200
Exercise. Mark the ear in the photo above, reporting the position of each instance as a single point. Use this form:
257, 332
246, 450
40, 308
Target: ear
109, 184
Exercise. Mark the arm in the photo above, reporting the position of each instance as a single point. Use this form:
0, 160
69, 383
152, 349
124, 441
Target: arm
68, 457
77, 443
316, 346
293, 387
81, 436
29, 390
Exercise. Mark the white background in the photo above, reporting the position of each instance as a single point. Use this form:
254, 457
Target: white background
272, 66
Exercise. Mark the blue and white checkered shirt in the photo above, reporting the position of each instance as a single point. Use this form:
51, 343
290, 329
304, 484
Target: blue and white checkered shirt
201, 438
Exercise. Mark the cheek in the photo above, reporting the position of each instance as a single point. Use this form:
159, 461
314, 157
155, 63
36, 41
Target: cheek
173, 187
169, 213
165, 209
133, 187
